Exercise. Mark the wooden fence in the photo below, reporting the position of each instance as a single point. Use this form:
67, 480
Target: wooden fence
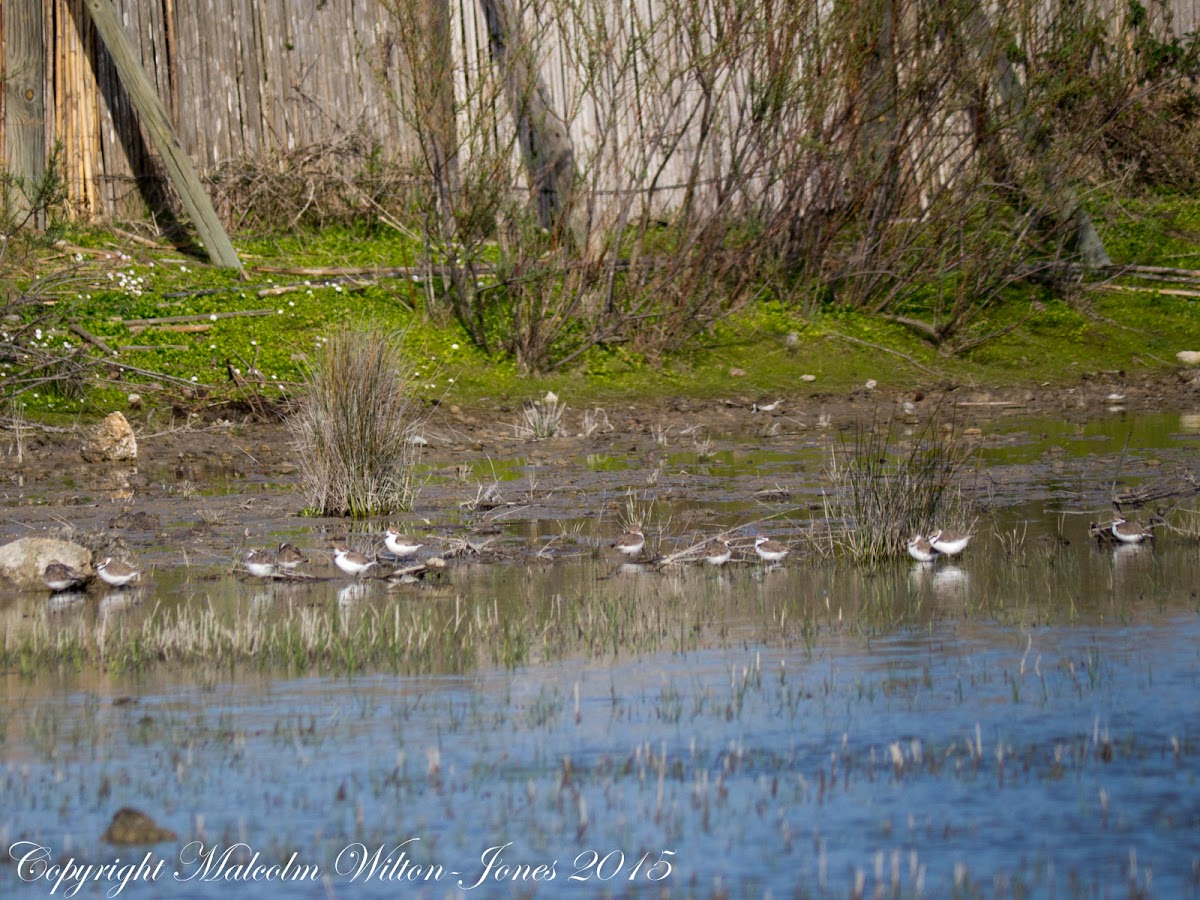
259, 79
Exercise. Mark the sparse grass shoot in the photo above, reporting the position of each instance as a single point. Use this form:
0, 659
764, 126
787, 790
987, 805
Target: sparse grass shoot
541, 419
883, 492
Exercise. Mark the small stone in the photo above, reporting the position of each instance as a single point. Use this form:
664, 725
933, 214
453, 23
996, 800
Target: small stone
110, 441
735, 372
871, 384
1188, 357
808, 377
132, 826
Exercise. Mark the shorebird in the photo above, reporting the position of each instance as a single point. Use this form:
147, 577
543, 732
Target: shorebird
631, 543
719, 553
401, 545
1130, 532
115, 573
949, 543
921, 550
288, 557
61, 577
769, 550
259, 564
350, 561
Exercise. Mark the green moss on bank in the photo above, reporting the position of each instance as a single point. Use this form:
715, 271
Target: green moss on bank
749, 353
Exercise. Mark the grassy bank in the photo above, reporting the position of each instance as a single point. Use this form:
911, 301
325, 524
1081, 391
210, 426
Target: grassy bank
193, 337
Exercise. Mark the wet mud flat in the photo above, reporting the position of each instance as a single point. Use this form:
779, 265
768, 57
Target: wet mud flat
201, 494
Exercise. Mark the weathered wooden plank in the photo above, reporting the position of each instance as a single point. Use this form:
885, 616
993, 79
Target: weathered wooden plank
25, 90
154, 117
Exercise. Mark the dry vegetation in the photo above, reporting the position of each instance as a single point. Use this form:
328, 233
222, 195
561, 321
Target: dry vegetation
914, 160
355, 426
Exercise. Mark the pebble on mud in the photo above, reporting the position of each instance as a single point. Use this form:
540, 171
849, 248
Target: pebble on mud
110, 441
132, 826
1188, 357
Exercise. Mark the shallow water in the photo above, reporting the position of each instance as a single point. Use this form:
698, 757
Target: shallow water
1019, 722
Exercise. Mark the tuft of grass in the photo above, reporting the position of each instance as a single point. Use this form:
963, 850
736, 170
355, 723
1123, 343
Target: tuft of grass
355, 425
541, 418
883, 493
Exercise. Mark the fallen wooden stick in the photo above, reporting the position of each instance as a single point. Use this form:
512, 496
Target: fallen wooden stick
174, 320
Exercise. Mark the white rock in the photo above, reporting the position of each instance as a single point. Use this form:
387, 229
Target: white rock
1188, 357
109, 441
23, 561
871, 384
808, 377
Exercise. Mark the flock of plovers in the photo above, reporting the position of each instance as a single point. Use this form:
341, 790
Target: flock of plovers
717, 551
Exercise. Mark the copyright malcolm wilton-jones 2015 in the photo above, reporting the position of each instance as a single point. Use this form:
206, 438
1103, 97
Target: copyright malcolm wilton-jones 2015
355, 863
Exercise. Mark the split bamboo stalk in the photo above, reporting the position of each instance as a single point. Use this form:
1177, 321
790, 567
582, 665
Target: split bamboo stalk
59, 106
87, 100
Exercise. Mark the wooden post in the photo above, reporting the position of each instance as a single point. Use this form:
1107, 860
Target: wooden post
154, 117
25, 101
543, 135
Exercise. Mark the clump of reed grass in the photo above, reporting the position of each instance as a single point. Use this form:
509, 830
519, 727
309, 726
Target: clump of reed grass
353, 430
882, 493
541, 418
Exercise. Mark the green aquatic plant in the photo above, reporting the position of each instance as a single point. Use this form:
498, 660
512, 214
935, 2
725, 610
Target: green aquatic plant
884, 491
355, 430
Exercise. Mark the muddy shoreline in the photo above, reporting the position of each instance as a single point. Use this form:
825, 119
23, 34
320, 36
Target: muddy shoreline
202, 492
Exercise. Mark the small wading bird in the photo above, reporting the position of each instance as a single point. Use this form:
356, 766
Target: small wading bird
288, 557
1131, 532
921, 550
115, 573
718, 553
769, 550
259, 564
61, 577
401, 545
631, 543
949, 543
350, 561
